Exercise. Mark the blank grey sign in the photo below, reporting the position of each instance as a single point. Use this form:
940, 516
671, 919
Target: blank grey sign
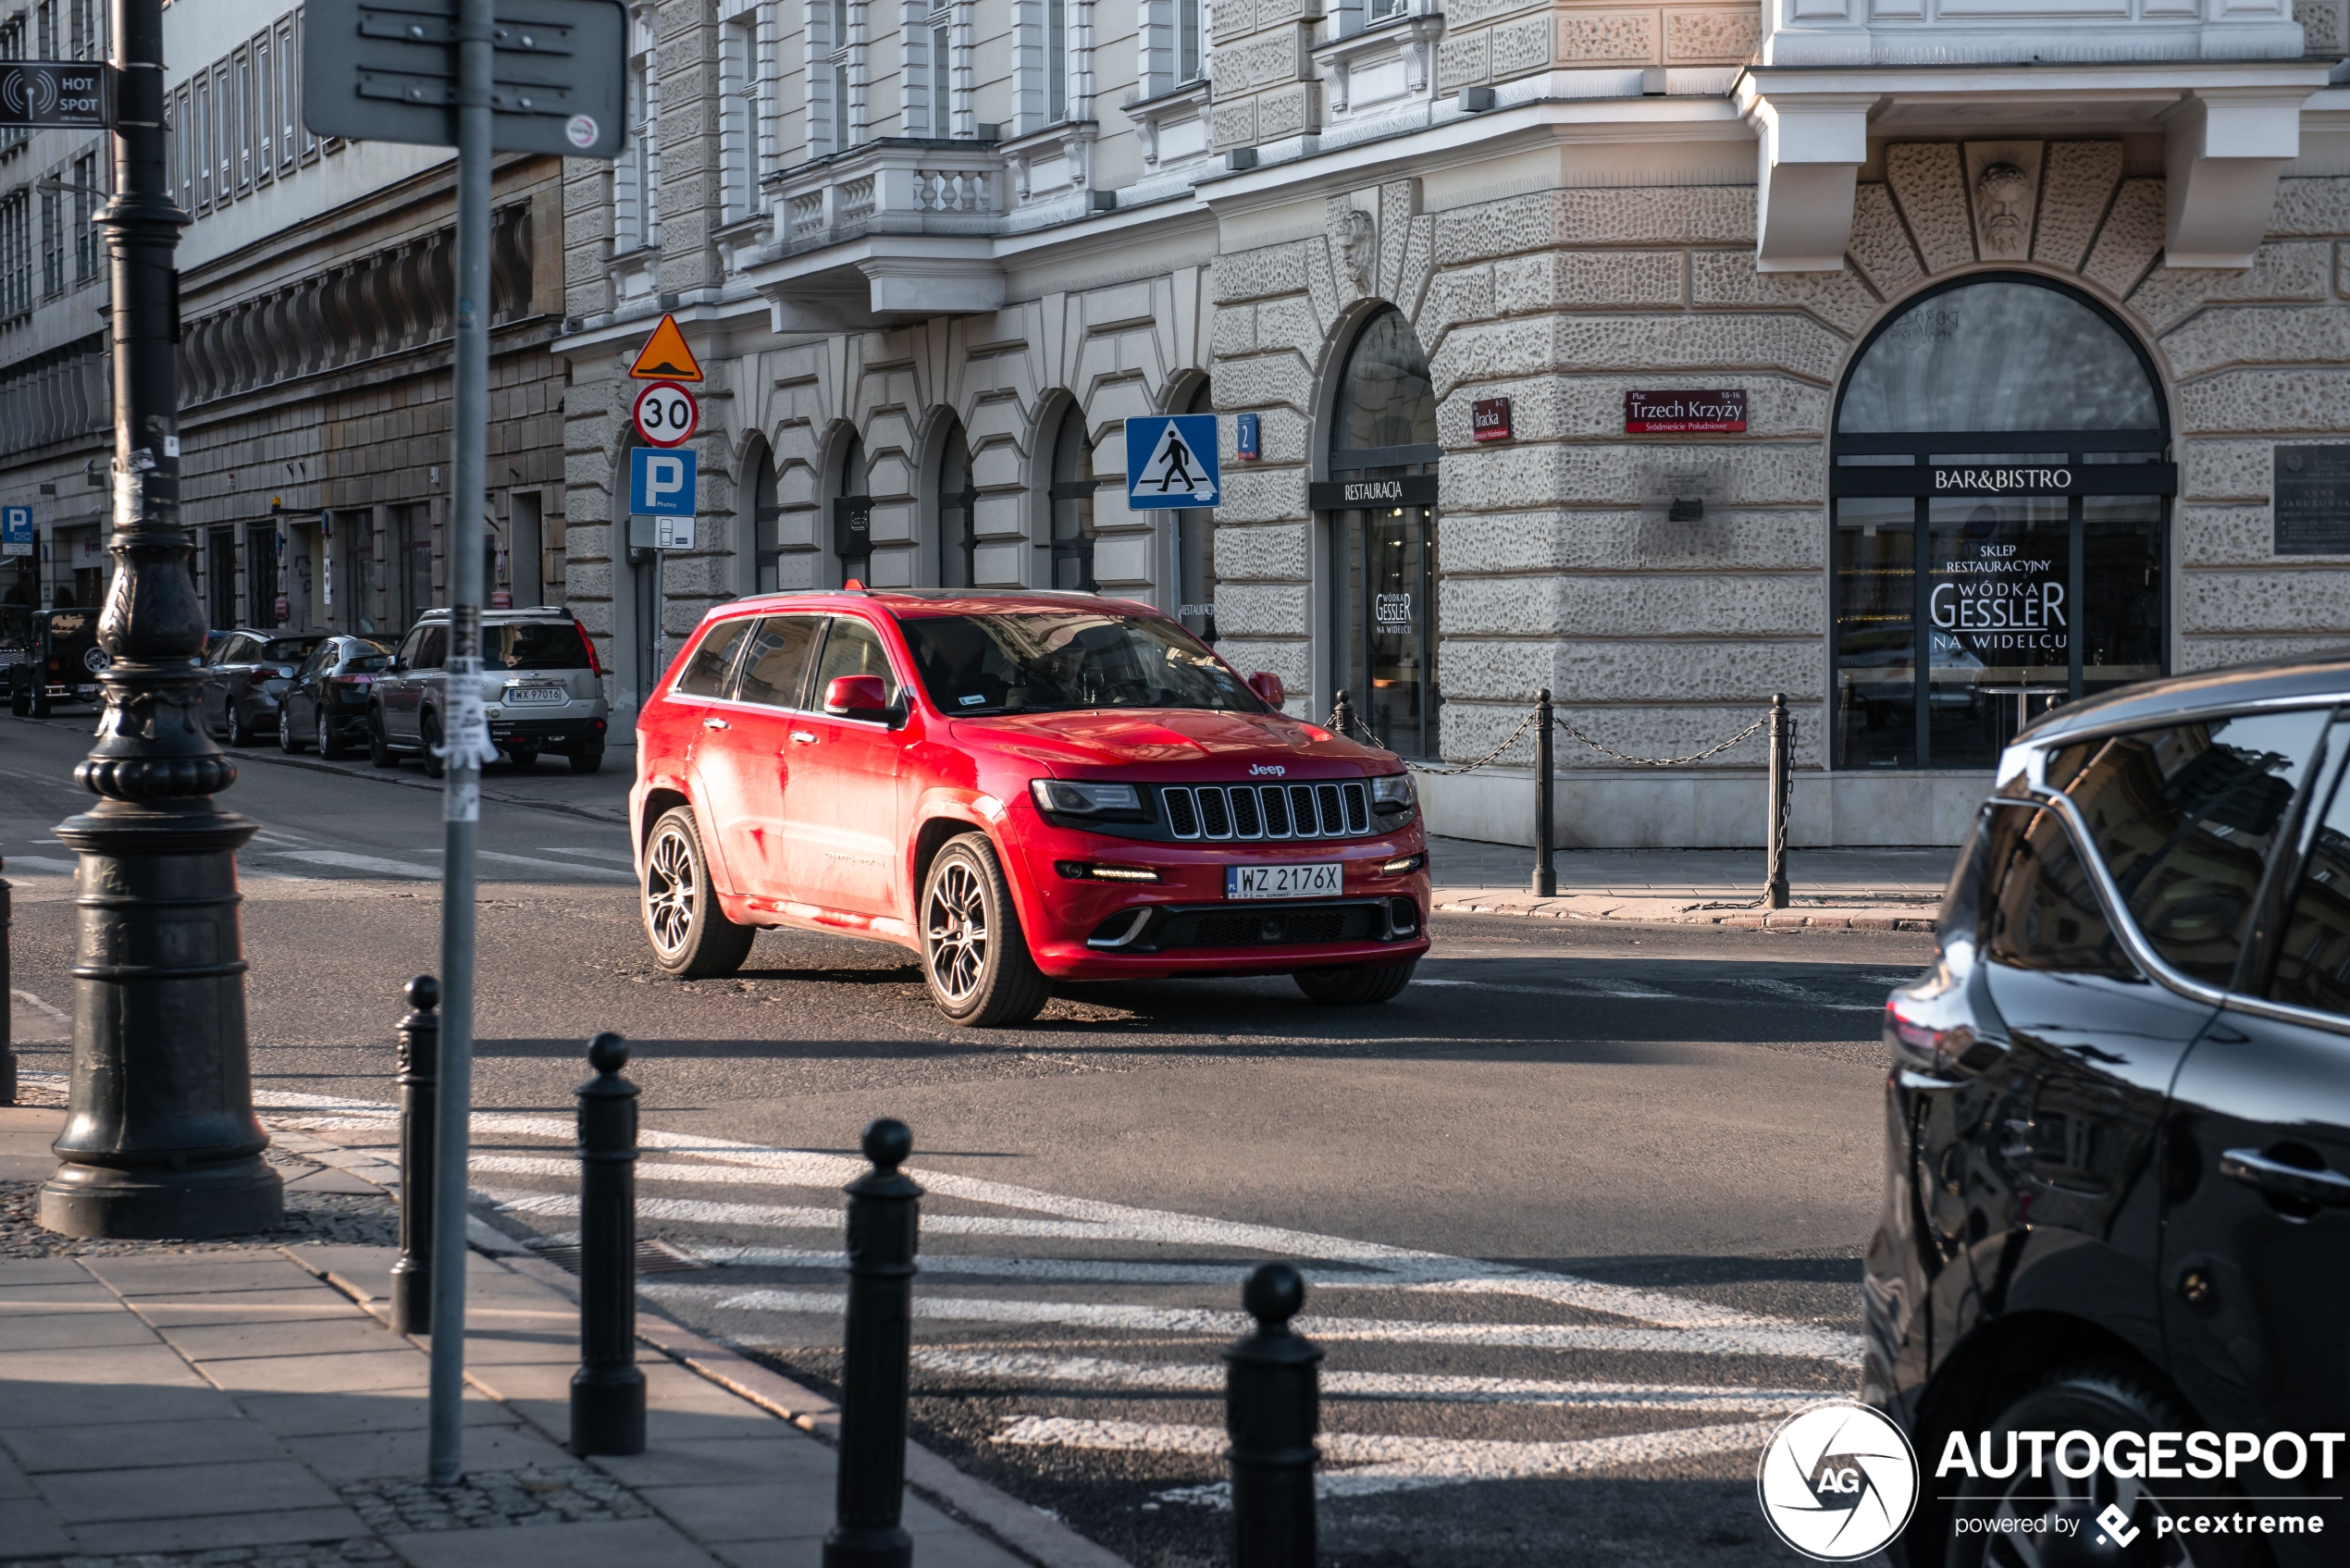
2313, 500
388, 72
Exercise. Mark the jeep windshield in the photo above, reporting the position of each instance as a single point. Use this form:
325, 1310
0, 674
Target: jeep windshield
1053, 660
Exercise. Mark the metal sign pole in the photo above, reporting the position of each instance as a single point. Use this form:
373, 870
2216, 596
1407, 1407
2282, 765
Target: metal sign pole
465, 733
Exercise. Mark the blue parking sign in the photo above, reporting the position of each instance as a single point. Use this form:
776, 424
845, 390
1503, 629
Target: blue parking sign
661, 482
16, 530
1171, 460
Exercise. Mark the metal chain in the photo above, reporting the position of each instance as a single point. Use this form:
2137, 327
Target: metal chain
1525, 724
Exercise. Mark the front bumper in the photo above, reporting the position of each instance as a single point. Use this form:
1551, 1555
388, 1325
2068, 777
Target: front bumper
1183, 924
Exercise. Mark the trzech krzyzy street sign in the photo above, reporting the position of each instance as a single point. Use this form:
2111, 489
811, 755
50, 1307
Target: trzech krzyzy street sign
78, 94
388, 73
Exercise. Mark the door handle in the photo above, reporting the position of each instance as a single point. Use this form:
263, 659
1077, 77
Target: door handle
716, 724
2257, 1170
803, 737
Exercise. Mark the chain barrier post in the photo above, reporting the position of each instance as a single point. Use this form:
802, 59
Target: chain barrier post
1272, 1408
1546, 875
607, 1391
883, 1216
419, 1110
1774, 896
1343, 716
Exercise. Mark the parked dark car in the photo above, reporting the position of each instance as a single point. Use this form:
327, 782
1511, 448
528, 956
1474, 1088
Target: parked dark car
2117, 1194
248, 679
327, 704
52, 656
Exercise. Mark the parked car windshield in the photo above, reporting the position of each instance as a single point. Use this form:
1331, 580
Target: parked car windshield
1044, 661
534, 645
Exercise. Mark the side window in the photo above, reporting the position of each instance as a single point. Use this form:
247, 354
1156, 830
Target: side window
2313, 960
2040, 909
412, 649
240, 651
2185, 818
712, 660
322, 654
434, 648
852, 648
776, 664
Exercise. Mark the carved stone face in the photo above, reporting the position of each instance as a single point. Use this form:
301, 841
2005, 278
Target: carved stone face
1357, 246
2003, 196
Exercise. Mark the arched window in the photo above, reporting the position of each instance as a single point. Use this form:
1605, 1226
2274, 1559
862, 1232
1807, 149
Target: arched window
761, 540
1381, 495
2001, 483
958, 513
852, 519
1070, 499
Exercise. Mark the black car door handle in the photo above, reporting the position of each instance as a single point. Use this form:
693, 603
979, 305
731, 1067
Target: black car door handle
2257, 1170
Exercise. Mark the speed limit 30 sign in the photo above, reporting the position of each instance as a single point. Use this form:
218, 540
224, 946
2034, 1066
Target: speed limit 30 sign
666, 414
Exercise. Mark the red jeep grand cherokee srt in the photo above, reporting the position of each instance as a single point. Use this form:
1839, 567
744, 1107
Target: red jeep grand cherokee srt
1021, 787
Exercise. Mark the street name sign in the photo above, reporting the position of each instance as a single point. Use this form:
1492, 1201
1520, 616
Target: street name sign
78, 94
1716, 412
16, 530
666, 414
388, 73
1170, 461
660, 483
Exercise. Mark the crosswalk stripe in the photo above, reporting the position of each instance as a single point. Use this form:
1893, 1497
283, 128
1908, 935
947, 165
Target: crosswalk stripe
1623, 990
1811, 1344
344, 860
597, 872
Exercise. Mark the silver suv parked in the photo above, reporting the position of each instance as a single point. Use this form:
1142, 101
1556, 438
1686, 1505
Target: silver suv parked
541, 686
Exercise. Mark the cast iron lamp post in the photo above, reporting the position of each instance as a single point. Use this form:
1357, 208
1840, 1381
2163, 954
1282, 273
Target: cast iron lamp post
160, 1137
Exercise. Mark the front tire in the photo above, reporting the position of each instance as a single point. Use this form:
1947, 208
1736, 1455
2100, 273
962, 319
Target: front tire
379, 751
237, 734
329, 746
1357, 985
288, 741
435, 764
691, 936
21, 701
975, 957
2099, 1399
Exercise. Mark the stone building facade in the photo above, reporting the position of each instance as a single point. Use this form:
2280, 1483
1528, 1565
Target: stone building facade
931, 260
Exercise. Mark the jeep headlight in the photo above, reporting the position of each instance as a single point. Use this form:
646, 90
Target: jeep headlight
1066, 798
1392, 792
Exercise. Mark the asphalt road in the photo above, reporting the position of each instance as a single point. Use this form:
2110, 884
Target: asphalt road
1581, 1212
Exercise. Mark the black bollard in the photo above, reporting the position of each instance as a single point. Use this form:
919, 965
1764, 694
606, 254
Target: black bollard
1546, 875
607, 1391
1343, 716
419, 1106
7, 1028
1779, 784
1272, 1410
883, 1216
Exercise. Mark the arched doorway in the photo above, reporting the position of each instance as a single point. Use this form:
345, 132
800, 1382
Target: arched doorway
852, 518
958, 504
1069, 499
1381, 501
2001, 483
758, 536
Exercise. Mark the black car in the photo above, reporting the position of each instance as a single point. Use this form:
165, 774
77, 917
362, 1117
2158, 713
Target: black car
2118, 1195
52, 656
326, 703
248, 677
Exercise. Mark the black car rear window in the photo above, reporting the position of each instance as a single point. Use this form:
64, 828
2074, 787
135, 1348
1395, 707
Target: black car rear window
535, 645
288, 650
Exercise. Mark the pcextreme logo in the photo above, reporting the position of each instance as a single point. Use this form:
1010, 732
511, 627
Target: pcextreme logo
1837, 1482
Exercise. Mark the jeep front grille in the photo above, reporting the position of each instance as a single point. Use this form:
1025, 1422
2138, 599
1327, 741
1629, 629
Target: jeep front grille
1267, 812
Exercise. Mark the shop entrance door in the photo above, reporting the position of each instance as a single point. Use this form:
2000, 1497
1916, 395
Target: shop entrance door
1385, 631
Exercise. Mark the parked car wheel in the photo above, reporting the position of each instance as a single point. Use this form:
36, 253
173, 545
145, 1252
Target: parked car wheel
237, 734
587, 759
430, 730
691, 936
2101, 1400
379, 751
1358, 985
329, 746
21, 701
289, 739
974, 956
522, 755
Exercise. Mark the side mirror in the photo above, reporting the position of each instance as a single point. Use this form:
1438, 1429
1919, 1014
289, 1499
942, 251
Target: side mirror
857, 696
1267, 686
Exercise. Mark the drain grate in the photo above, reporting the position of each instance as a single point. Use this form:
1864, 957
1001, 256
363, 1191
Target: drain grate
652, 1256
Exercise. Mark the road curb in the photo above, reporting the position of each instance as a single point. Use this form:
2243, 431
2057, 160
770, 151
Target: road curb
1717, 913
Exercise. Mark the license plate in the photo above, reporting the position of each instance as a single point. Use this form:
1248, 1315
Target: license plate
1299, 879
537, 693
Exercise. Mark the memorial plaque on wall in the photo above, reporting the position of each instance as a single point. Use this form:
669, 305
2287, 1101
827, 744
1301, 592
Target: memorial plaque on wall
2313, 500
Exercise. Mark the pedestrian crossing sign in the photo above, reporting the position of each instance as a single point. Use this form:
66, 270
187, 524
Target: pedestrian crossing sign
1171, 460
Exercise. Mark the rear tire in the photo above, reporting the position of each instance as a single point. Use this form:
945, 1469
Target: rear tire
288, 741
1357, 985
975, 957
691, 937
21, 701
237, 734
379, 751
435, 765
42, 706
587, 760
329, 746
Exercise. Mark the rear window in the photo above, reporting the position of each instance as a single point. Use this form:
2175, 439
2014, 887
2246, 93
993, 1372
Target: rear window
776, 665
534, 645
706, 672
288, 650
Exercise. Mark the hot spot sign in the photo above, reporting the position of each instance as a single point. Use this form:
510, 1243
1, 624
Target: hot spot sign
1720, 411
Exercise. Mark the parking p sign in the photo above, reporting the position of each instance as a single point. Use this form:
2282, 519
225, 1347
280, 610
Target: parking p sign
660, 483
16, 530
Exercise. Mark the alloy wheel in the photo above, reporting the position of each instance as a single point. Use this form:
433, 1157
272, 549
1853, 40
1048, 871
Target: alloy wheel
669, 891
955, 926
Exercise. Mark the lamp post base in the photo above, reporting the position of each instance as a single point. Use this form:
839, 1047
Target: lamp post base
234, 1198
